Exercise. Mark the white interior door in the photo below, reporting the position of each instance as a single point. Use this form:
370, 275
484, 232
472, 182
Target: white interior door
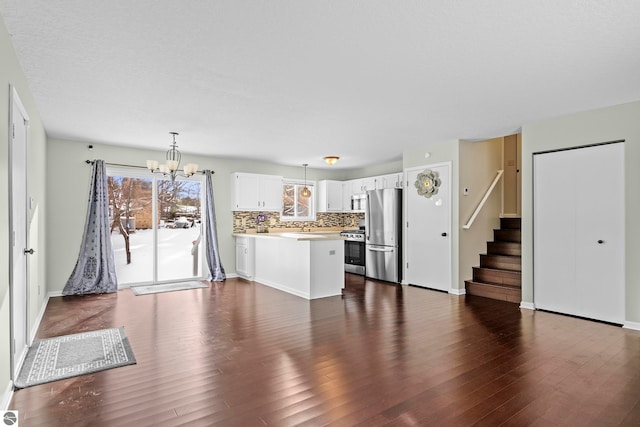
19, 254
579, 232
428, 232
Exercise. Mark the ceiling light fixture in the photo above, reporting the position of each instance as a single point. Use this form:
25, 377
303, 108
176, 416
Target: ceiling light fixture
305, 190
172, 164
331, 160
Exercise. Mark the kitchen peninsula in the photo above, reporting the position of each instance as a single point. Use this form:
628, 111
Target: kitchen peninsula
309, 265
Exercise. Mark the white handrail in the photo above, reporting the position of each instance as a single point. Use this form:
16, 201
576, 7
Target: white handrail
484, 199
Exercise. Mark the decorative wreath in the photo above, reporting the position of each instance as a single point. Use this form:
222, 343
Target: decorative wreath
427, 183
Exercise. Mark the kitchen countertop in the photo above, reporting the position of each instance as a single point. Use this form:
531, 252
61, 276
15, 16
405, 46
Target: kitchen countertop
299, 235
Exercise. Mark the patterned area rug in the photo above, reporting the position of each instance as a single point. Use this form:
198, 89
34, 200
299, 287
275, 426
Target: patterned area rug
53, 359
166, 287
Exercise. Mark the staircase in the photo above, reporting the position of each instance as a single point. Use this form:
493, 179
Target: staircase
499, 274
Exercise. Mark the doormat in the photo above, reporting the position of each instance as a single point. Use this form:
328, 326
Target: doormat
57, 358
166, 287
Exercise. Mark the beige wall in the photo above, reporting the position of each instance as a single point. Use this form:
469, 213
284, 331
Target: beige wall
591, 127
479, 162
511, 191
11, 74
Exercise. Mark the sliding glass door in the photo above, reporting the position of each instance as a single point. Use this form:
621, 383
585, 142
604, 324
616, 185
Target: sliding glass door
156, 227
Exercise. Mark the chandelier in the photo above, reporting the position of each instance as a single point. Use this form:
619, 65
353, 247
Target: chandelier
172, 163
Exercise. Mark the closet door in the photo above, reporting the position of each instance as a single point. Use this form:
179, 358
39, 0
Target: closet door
579, 232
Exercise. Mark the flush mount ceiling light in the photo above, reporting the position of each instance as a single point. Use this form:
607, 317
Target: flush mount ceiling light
172, 164
331, 160
305, 190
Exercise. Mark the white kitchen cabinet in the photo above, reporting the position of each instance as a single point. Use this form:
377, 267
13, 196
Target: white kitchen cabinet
392, 180
329, 196
245, 261
346, 196
255, 192
579, 232
362, 185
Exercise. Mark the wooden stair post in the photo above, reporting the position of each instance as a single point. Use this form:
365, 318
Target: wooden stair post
499, 275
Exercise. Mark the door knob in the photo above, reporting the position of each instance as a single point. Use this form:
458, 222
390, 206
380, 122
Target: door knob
29, 251
600, 242
444, 234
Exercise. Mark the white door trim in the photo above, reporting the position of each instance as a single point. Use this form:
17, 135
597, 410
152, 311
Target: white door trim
17, 359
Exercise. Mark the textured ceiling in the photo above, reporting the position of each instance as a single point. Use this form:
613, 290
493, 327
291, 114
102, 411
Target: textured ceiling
293, 81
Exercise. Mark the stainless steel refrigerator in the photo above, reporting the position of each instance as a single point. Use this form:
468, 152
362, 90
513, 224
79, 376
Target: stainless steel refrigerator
383, 228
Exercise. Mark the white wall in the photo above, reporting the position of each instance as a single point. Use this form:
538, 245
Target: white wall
591, 127
11, 74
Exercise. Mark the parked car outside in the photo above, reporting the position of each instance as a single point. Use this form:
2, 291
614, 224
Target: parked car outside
182, 222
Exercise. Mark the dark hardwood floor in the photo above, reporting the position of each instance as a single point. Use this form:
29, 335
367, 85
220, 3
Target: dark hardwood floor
242, 354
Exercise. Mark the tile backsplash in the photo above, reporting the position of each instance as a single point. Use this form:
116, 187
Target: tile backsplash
243, 221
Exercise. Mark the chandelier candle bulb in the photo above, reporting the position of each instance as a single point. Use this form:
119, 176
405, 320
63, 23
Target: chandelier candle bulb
152, 165
172, 165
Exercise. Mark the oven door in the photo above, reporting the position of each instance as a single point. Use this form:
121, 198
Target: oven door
354, 257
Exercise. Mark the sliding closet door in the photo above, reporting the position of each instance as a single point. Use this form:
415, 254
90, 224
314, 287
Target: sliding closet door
579, 232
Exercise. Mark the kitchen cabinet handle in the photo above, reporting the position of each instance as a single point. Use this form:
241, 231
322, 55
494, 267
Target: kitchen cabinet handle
444, 234
29, 251
600, 242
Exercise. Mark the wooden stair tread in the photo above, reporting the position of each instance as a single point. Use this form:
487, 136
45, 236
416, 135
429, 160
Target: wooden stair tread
497, 276
501, 262
510, 223
504, 293
504, 248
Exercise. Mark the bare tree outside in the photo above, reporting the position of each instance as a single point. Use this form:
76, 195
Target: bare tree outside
127, 197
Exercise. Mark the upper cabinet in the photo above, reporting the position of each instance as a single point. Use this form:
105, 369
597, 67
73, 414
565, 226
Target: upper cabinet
330, 196
254, 192
393, 180
362, 185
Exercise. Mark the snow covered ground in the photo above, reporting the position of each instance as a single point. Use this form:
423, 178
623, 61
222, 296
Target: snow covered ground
174, 255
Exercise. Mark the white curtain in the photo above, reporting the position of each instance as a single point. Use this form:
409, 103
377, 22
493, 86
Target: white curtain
95, 270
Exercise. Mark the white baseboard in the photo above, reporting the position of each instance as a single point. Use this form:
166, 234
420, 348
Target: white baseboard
36, 324
527, 305
457, 291
631, 325
54, 294
6, 397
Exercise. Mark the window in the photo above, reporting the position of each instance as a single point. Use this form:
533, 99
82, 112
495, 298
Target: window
295, 207
156, 232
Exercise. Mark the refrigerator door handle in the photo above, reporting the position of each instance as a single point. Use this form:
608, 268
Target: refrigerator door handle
367, 215
373, 249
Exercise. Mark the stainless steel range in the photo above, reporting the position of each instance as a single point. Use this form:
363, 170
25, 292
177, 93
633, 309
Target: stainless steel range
354, 251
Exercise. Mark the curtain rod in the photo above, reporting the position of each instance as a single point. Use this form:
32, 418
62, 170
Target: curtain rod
90, 162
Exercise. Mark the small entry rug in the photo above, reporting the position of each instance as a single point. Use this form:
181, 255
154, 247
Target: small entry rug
57, 358
166, 287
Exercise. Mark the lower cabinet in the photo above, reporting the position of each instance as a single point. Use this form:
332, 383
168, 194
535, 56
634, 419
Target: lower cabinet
245, 258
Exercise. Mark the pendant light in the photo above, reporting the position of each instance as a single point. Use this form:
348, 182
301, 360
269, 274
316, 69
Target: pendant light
305, 190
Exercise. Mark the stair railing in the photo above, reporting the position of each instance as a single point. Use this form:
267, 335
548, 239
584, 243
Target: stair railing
483, 201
